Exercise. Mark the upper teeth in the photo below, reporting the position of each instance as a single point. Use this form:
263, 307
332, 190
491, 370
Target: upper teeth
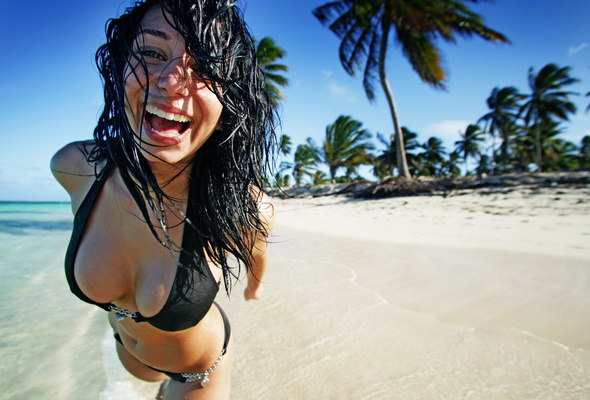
163, 114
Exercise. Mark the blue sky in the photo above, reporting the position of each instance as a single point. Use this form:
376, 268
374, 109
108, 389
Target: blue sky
50, 92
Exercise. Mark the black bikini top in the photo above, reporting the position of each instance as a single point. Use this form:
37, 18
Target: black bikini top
179, 312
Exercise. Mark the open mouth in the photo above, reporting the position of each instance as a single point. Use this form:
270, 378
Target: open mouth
166, 124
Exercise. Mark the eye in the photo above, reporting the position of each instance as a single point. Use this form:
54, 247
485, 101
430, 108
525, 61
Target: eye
153, 55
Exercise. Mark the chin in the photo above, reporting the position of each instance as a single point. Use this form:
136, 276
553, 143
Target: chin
167, 155
163, 158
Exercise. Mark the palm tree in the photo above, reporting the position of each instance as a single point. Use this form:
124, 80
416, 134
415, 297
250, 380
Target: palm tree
432, 156
365, 27
281, 180
411, 144
484, 166
267, 53
303, 163
500, 121
557, 154
451, 165
547, 99
560, 155
345, 146
285, 150
319, 177
584, 155
523, 151
285, 145
468, 145
386, 162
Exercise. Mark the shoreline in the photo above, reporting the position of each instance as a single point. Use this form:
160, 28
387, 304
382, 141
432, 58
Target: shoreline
419, 297
519, 259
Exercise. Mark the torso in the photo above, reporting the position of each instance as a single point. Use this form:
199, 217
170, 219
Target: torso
120, 261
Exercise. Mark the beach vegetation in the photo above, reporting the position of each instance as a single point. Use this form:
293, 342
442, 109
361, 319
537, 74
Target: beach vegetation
484, 165
411, 145
285, 145
385, 163
557, 154
320, 177
548, 99
469, 144
520, 132
451, 165
346, 146
367, 27
584, 154
281, 179
267, 54
432, 159
500, 122
513, 147
304, 165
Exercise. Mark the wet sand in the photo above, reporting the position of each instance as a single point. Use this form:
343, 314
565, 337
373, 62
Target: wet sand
474, 296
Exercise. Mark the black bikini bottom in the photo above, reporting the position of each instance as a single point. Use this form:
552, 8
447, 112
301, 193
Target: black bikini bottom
183, 377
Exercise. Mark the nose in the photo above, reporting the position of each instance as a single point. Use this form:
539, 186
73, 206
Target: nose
174, 78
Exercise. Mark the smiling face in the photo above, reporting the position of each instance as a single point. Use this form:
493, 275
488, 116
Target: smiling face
181, 112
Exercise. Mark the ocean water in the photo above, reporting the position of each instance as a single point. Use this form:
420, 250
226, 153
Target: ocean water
51, 344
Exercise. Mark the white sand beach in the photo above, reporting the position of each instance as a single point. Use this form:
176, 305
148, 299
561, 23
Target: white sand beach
481, 295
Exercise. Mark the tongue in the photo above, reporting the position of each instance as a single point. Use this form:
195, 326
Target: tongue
165, 125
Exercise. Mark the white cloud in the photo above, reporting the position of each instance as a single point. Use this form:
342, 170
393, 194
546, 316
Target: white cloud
574, 50
448, 131
337, 90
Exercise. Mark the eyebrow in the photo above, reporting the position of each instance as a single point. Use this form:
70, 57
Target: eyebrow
155, 32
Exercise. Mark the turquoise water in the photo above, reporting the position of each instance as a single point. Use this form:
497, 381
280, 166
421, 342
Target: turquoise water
44, 328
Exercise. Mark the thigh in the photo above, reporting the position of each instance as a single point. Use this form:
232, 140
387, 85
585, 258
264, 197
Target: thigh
217, 389
136, 367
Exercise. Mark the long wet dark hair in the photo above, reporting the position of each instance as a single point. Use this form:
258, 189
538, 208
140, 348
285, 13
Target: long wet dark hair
223, 209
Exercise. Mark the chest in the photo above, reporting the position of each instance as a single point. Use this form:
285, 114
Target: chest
119, 260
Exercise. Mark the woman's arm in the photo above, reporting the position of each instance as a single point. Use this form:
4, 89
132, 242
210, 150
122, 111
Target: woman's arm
255, 288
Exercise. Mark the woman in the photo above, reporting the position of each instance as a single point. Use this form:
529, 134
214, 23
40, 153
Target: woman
169, 189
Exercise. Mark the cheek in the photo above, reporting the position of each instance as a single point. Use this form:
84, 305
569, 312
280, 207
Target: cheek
135, 80
134, 93
216, 111
212, 108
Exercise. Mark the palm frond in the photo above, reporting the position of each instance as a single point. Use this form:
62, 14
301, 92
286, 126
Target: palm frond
371, 74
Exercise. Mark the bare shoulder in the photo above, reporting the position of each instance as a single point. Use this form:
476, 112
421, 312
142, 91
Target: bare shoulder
71, 168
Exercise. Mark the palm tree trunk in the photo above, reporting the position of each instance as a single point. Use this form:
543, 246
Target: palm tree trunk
493, 153
538, 141
402, 164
